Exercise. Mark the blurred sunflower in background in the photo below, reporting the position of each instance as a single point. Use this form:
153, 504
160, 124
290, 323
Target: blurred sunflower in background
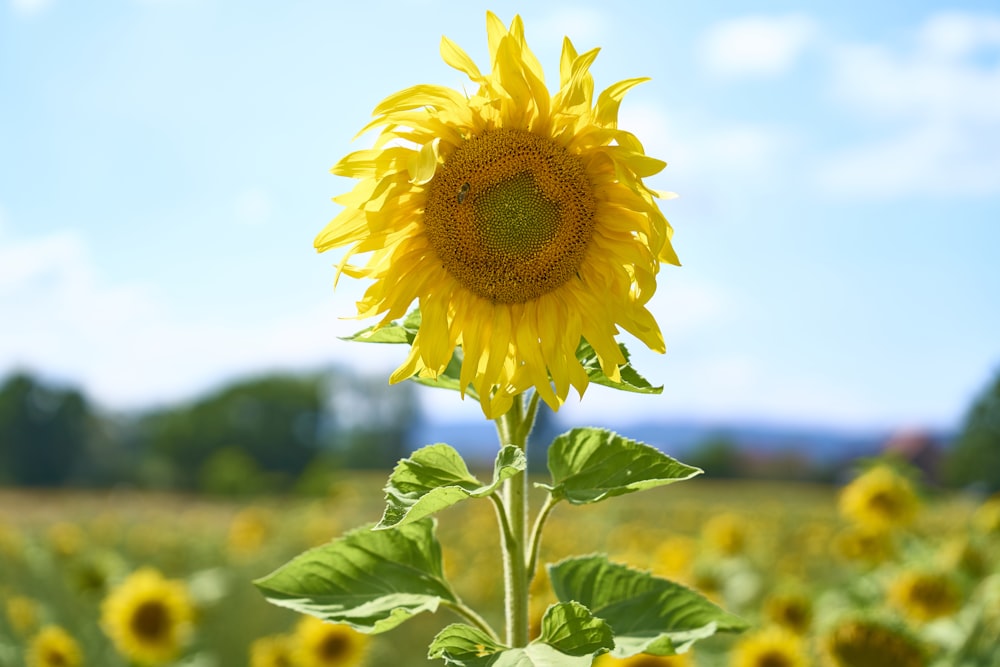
148, 617
321, 644
646, 660
770, 647
867, 642
925, 595
53, 647
880, 498
517, 219
272, 651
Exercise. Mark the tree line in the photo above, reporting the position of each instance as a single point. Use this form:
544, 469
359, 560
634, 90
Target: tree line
271, 433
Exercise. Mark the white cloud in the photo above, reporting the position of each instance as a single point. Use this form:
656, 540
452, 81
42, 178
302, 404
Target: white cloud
29, 7
756, 45
61, 317
938, 104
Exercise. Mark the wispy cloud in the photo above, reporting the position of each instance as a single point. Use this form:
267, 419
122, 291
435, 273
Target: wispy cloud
756, 45
121, 341
937, 103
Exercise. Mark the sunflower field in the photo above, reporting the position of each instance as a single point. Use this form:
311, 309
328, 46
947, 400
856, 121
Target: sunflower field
870, 574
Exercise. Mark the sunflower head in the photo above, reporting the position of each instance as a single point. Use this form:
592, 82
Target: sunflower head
272, 651
148, 617
516, 218
770, 647
321, 644
791, 610
866, 642
880, 498
54, 647
646, 660
924, 595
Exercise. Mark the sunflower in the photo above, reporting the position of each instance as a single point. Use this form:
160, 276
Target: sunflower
880, 498
646, 660
770, 647
148, 617
517, 219
22, 614
272, 651
862, 642
321, 644
925, 595
726, 534
791, 610
53, 647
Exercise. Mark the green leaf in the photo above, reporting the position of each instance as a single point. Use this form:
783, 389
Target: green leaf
394, 332
570, 628
370, 580
436, 477
632, 381
465, 646
591, 464
647, 614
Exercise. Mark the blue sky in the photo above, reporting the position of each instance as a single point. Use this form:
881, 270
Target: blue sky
164, 169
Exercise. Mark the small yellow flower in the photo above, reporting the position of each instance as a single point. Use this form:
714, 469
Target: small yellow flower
790, 610
674, 557
248, 531
987, 516
770, 647
66, 538
872, 643
924, 596
867, 545
22, 613
54, 647
320, 644
148, 617
646, 660
272, 651
517, 219
880, 498
726, 534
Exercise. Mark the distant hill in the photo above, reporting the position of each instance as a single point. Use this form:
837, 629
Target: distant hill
820, 445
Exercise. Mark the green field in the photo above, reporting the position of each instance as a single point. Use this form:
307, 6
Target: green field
758, 549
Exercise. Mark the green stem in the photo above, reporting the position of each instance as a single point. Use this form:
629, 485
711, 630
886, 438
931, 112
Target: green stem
513, 429
470, 614
536, 535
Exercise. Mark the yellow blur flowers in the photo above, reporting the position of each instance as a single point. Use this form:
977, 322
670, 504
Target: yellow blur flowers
770, 647
320, 644
880, 498
54, 647
925, 595
516, 218
148, 617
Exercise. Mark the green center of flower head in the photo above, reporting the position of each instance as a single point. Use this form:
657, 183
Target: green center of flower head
510, 215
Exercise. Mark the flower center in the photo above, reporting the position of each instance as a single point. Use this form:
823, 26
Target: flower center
150, 621
510, 214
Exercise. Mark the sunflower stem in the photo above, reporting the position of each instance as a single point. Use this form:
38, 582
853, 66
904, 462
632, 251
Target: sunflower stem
513, 429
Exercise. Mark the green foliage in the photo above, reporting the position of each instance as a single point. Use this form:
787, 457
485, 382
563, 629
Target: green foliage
370, 580
591, 464
647, 614
631, 380
44, 432
571, 636
435, 477
975, 456
718, 455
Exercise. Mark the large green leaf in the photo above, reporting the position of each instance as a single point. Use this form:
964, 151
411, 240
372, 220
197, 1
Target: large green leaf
464, 646
436, 477
591, 464
371, 580
632, 381
572, 629
647, 614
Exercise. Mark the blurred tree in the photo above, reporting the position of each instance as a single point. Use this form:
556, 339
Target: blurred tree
273, 421
975, 456
718, 456
372, 421
43, 431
